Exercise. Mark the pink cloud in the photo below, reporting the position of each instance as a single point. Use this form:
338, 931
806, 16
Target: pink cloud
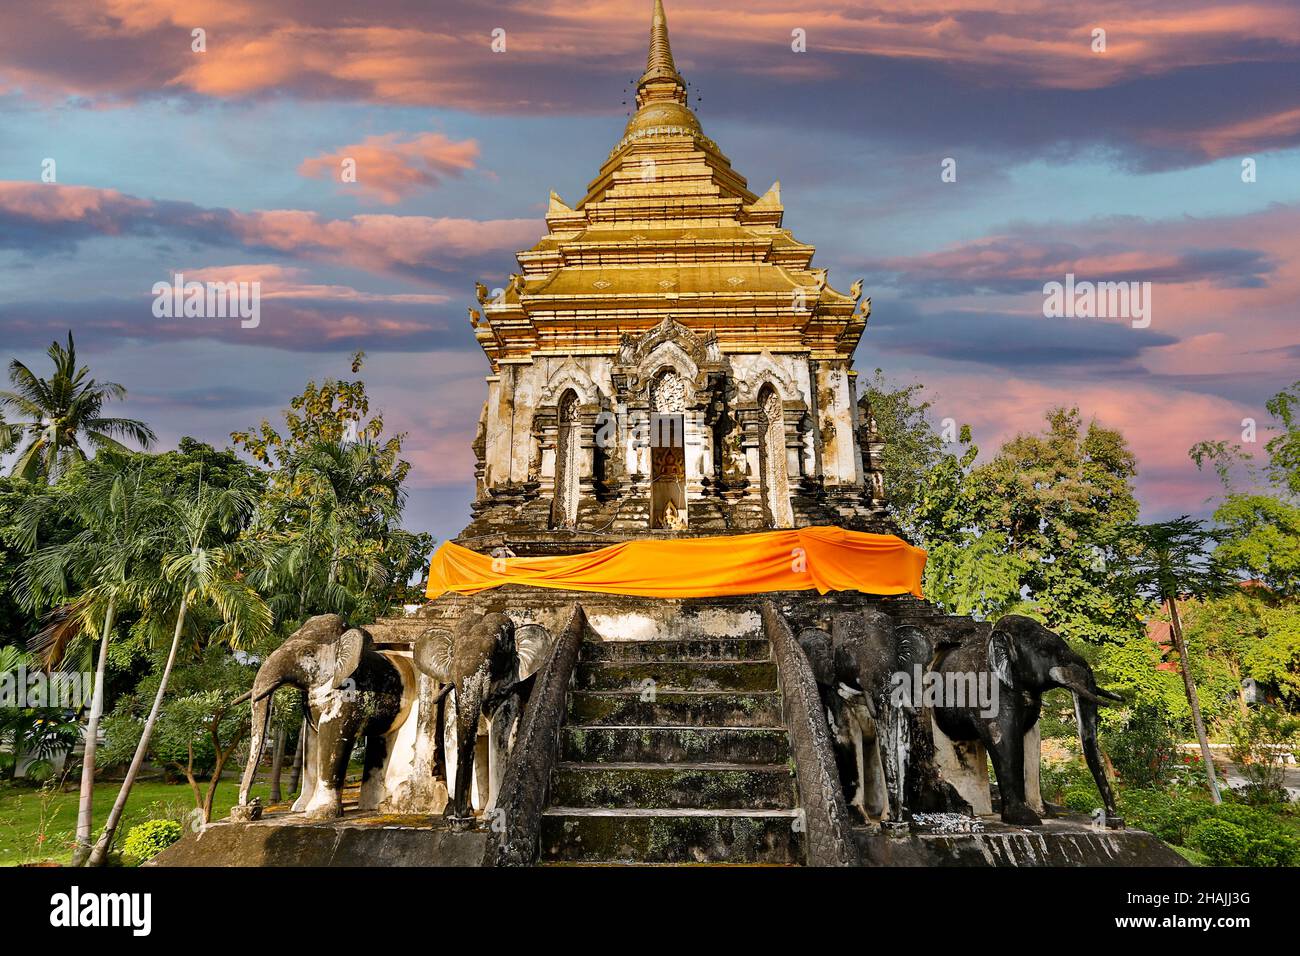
1160, 424
379, 243
389, 170
382, 242
392, 51
52, 203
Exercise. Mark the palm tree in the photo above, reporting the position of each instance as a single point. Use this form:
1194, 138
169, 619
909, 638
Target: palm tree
1168, 561
89, 579
201, 568
328, 523
59, 412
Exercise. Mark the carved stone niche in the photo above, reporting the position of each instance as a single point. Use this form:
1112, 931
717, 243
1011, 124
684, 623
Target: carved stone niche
641, 358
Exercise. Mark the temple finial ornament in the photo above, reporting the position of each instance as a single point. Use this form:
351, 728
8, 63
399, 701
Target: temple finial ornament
659, 63
661, 83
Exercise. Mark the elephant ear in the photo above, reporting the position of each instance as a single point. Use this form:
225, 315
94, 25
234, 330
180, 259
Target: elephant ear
533, 644
1002, 654
433, 653
913, 647
347, 654
818, 648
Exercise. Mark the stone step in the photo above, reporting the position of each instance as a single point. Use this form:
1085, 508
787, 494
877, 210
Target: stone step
677, 675
704, 786
742, 745
579, 834
720, 649
676, 708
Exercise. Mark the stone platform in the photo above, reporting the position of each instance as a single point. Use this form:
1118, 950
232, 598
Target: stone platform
287, 839
1070, 841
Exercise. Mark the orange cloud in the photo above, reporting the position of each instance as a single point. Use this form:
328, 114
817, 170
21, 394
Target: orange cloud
392, 51
388, 169
382, 242
379, 243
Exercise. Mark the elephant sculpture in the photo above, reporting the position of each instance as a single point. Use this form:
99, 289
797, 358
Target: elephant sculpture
1028, 660
882, 744
352, 691
484, 669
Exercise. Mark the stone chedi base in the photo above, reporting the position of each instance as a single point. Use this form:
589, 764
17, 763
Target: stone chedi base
366, 840
661, 732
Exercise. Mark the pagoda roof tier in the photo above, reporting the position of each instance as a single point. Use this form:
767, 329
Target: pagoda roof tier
667, 229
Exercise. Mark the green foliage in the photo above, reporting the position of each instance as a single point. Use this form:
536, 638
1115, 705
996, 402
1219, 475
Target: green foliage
148, 839
329, 521
1131, 668
1259, 741
1028, 531
1221, 842
1142, 749
1260, 511
1238, 835
58, 413
1057, 778
1230, 834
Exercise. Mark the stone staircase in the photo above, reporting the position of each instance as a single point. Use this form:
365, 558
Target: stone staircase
673, 751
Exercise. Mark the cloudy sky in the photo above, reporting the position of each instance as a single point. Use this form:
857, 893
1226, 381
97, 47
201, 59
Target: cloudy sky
1122, 164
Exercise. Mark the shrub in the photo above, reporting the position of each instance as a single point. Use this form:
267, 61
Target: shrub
1143, 749
1258, 741
1058, 778
1268, 841
1082, 799
1223, 843
1166, 815
148, 839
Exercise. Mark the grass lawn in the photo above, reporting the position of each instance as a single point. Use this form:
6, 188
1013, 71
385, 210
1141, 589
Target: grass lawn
27, 813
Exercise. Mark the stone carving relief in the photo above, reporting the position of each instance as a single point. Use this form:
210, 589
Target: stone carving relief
668, 393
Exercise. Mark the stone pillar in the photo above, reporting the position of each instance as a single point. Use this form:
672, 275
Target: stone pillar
1033, 768
965, 765
840, 462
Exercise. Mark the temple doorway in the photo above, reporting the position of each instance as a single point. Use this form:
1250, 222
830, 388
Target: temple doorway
668, 453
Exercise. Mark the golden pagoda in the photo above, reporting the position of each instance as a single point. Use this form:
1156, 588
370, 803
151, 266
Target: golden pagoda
667, 360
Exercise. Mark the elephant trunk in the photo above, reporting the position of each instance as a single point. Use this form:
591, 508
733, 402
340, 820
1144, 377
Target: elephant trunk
1079, 681
469, 704
261, 717
1085, 711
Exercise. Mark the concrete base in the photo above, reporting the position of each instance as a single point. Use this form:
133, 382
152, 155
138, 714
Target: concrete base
1062, 842
286, 839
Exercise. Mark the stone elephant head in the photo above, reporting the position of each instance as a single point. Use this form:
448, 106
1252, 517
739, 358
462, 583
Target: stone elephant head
351, 690
866, 668
1027, 660
485, 663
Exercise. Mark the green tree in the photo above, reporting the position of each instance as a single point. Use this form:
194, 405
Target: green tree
1169, 560
58, 413
201, 725
1056, 497
200, 569
1026, 531
1260, 510
330, 517
90, 576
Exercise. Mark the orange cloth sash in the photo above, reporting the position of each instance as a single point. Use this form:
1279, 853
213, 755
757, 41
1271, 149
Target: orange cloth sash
803, 559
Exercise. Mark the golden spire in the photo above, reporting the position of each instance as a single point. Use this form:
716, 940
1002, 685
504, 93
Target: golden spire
660, 81
660, 61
